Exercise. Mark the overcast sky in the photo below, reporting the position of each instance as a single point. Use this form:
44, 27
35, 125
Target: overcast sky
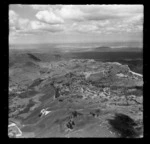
75, 23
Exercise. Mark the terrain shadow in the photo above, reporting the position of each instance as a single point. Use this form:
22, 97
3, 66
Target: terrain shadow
124, 126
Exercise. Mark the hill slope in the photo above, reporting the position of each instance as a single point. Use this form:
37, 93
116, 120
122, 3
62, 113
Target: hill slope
77, 98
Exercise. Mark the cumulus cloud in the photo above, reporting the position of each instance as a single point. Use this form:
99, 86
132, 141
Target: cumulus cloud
98, 12
40, 7
37, 27
137, 19
71, 12
91, 12
17, 23
13, 16
49, 17
24, 25
78, 18
111, 19
95, 15
43, 26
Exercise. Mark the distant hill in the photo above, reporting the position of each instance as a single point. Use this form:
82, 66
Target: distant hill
102, 48
119, 49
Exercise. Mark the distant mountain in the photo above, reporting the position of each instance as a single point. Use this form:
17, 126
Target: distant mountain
102, 48
118, 49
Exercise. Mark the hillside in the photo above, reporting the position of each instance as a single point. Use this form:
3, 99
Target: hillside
76, 98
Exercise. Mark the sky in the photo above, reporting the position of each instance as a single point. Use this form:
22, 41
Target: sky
74, 23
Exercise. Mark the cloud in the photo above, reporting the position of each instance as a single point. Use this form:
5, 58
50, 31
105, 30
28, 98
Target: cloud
13, 16
70, 19
18, 25
20, 5
45, 7
102, 23
89, 12
15, 22
84, 27
71, 12
137, 19
130, 25
116, 10
23, 24
40, 7
112, 19
98, 12
49, 17
46, 27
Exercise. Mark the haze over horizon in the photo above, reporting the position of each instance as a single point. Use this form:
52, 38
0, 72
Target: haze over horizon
38, 24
